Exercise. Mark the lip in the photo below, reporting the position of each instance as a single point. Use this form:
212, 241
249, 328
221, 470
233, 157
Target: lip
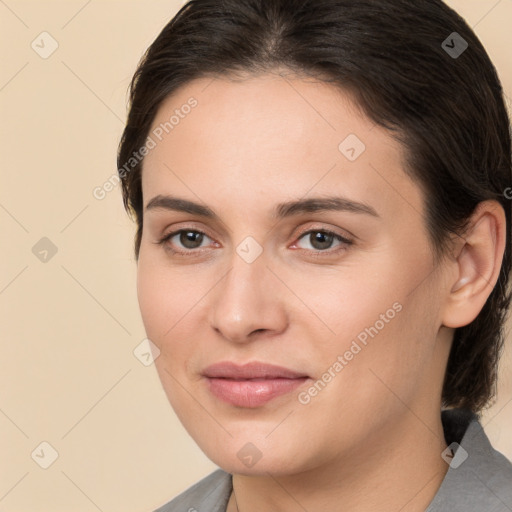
252, 384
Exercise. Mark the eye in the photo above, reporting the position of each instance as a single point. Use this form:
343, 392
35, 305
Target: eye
321, 239
185, 239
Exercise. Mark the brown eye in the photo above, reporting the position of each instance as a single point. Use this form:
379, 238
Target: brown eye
189, 239
321, 240
183, 241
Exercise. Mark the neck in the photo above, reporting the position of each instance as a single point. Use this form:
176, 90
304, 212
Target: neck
399, 469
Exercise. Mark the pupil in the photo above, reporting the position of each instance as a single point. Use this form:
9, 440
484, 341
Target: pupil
189, 238
323, 239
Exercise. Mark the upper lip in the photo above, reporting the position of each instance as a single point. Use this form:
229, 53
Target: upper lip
252, 370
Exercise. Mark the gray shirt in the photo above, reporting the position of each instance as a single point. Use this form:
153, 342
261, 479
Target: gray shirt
479, 478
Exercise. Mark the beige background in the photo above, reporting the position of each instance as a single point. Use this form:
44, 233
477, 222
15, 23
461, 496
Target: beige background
68, 374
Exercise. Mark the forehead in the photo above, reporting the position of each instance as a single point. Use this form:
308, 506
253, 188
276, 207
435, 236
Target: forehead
268, 112
268, 133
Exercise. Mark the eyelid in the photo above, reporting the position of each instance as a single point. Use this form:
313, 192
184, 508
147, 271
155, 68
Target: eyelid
186, 226
345, 241
346, 235
165, 239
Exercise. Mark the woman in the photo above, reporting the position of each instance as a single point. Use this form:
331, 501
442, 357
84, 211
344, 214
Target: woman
323, 250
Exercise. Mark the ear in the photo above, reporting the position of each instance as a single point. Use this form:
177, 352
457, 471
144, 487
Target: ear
477, 264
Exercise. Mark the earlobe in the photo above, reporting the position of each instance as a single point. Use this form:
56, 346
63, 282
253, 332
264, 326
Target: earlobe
478, 265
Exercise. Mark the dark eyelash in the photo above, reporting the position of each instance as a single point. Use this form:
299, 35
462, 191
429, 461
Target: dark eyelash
327, 232
166, 238
319, 254
346, 241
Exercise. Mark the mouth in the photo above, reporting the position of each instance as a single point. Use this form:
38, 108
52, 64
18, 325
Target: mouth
251, 385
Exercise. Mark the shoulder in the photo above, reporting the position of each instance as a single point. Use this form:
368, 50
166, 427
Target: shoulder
211, 494
479, 477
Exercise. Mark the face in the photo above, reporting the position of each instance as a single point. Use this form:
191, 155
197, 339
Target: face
307, 250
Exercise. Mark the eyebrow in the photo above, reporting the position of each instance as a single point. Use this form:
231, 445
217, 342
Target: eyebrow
282, 210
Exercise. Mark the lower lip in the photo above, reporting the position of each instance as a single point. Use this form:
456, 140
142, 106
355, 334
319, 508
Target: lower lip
252, 393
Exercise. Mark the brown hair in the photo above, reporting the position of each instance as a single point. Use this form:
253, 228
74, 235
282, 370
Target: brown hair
409, 73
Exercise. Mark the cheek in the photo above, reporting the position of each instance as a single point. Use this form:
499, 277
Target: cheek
172, 305
153, 301
344, 304
381, 332
164, 315
165, 296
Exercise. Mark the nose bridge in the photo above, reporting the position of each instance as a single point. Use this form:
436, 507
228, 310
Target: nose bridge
245, 300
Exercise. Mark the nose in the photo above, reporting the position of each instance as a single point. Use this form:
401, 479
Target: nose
248, 300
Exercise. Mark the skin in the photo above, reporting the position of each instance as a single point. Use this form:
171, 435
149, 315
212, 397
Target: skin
372, 438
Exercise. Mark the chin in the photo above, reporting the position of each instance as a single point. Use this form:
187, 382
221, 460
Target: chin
261, 468
243, 457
